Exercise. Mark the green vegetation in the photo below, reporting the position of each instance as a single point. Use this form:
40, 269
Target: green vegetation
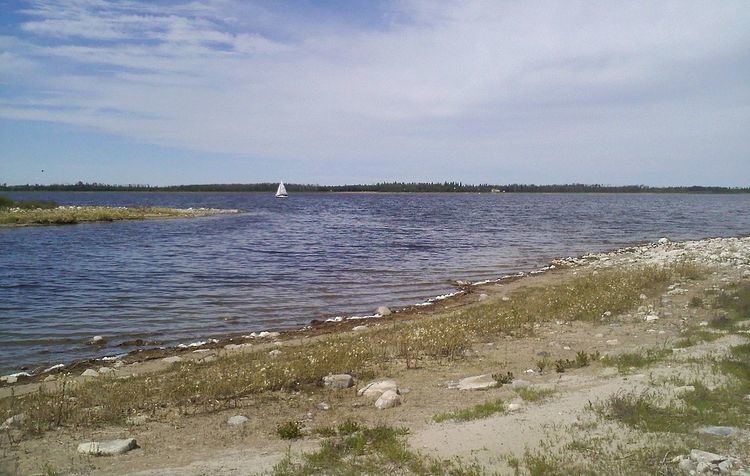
481, 410
290, 430
6, 203
534, 394
636, 360
378, 450
231, 381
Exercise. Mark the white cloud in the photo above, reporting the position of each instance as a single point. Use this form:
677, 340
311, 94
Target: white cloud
455, 79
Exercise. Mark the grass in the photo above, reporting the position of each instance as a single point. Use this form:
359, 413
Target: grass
635, 360
481, 410
368, 450
534, 394
291, 430
231, 381
6, 203
53, 215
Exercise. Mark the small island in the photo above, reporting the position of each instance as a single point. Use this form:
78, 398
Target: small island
25, 213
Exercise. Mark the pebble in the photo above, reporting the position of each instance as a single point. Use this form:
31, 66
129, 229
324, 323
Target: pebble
237, 420
107, 448
505, 298
90, 373
514, 407
338, 381
388, 399
275, 353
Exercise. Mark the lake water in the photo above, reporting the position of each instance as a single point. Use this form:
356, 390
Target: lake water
283, 263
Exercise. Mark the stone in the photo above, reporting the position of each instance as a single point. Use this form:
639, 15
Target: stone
90, 373
388, 399
383, 311
13, 421
275, 353
359, 328
478, 382
49, 378
97, 340
703, 323
643, 297
514, 407
686, 464
237, 420
323, 406
172, 360
483, 297
717, 430
518, 383
338, 381
651, 318
505, 298
107, 448
684, 389
703, 467
106, 371
663, 241
246, 345
612, 342
700, 456
377, 388
725, 466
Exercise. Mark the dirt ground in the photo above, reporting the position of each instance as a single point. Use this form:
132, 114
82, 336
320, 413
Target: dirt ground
205, 444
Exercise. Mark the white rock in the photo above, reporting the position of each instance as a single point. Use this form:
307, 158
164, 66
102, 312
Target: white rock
483, 297
275, 353
338, 381
684, 389
90, 373
505, 298
651, 318
700, 456
703, 323
323, 406
15, 420
478, 382
171, 360
245, 345
514, 407
643, 297
49, 378
384, 311
388, 399
237, 420
377, 388
663, 241
359, 328
612, 342
107, 448
97, 340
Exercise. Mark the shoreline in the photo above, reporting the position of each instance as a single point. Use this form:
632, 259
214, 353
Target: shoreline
29, 373
546, 370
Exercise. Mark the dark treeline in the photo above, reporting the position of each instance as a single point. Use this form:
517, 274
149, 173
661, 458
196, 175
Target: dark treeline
378, 187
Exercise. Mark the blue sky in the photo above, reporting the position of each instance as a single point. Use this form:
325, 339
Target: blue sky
332, 92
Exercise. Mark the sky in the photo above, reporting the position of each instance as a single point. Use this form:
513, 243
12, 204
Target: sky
356, 91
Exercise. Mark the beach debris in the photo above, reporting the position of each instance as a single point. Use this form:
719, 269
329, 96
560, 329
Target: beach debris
237, 420
338, 381
172, 359
377, 388
388, 399
107, 448
97, 340
90, 373
383, 311
477, 382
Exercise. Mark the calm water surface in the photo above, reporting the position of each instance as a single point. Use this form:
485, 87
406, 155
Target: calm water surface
286, 262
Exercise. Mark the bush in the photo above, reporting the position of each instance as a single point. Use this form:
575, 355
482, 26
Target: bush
290, 430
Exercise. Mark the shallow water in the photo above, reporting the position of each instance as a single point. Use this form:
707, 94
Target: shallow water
311, 256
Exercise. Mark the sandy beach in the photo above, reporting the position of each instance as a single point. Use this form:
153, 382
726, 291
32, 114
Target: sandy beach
632, 361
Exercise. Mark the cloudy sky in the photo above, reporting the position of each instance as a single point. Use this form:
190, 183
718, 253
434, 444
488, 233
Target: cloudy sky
325, 91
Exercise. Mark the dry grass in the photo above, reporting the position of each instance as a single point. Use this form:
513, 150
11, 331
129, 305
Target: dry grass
193, 387
71, 215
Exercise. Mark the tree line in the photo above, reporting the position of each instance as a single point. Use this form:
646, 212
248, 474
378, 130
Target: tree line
413, 187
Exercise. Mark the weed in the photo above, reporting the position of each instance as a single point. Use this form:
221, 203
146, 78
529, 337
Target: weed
503, 378
290, 430
543, 364
628, 360
534, 394
696, 301
482, 410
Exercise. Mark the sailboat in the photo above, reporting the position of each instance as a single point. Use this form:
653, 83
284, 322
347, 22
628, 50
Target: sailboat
281, 192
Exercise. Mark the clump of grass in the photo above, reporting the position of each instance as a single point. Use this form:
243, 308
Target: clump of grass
582, 359
695, 337
291, 430
6, 202
628, 360
503, 378
481, 410
348, 427
534, 394
543, 363
368, 451
696, 301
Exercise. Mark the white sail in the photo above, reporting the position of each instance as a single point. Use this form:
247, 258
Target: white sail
281, 192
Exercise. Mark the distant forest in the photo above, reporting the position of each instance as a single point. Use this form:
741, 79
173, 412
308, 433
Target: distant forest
378, 187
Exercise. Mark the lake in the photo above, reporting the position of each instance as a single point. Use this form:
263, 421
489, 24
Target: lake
282, 263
